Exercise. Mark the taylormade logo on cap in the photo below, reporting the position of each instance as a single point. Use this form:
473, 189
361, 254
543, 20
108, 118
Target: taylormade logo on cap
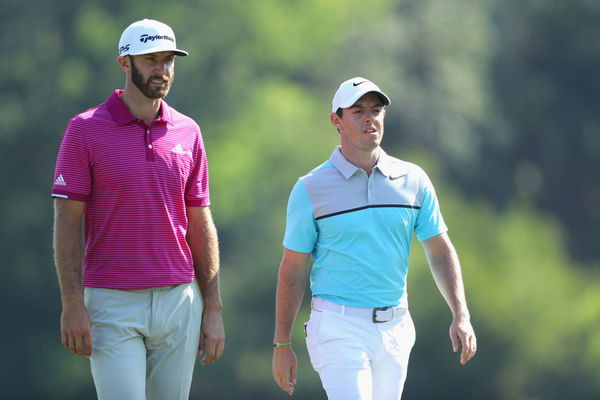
148, 36
144, 38
352, 90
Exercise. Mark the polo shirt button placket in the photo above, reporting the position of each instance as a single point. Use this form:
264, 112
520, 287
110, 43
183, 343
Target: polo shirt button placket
370, 187
149, 151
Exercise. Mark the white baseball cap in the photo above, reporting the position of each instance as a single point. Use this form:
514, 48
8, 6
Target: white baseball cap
352, 90
148, 36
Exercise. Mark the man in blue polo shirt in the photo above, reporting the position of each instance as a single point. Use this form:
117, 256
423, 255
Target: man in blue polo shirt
356, 215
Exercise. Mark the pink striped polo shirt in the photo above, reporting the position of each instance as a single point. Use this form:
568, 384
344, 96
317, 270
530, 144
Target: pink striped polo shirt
136, 181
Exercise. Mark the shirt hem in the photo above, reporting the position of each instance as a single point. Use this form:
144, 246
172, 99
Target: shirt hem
136, 286
429, 235
69, 195
197, 203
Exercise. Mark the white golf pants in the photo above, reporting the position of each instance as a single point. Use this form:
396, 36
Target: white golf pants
356, 358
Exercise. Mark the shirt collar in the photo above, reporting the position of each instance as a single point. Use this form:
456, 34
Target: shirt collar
345, 167
123, 116
386, 165
390, 167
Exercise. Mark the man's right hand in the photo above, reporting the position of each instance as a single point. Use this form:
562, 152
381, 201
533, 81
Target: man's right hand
284, 368
76, 328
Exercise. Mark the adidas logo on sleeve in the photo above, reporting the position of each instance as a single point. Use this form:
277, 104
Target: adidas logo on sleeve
60, 181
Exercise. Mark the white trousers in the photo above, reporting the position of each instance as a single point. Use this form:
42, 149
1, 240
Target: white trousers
144, 342
356, 358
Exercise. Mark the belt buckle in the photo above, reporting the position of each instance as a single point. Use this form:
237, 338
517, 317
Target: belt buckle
375, 316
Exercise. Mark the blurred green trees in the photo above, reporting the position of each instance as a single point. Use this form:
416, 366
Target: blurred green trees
496, 99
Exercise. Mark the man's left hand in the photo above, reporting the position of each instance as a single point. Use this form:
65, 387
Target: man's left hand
212, 337
462, 333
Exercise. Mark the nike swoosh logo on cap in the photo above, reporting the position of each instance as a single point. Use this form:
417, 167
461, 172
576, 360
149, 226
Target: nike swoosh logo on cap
359, 83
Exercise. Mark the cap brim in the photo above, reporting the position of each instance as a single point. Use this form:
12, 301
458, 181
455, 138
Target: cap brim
384, 98
177, 52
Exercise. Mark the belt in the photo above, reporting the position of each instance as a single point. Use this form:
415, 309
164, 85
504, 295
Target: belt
376, 315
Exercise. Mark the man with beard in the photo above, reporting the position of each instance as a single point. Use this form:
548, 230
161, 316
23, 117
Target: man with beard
135, 170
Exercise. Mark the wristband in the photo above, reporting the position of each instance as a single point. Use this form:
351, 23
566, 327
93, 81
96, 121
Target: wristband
276, 345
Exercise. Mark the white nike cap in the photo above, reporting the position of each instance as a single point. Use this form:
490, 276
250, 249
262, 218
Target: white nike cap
352, 90
148, 36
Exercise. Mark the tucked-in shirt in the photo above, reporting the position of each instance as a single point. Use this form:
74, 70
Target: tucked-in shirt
136, 181
359, 228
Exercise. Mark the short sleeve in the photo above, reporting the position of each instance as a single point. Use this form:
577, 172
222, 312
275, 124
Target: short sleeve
197, 188
429, 221
300, 227
72, 176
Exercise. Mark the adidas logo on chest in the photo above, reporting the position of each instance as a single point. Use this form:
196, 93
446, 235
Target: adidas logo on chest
178, 149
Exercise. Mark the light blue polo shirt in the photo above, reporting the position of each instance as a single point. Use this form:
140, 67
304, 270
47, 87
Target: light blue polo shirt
359, 228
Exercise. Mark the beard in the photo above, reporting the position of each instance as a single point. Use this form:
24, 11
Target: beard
151, 92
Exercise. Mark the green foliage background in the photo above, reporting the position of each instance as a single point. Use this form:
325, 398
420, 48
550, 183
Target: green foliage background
496, 99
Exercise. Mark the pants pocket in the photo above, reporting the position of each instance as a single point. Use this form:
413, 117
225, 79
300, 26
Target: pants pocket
311, 333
